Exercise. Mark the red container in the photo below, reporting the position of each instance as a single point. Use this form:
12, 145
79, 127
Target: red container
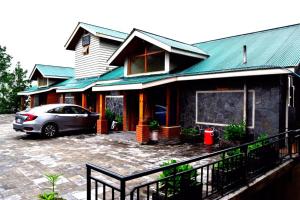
208, 136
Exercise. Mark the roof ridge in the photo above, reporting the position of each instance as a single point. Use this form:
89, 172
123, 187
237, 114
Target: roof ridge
54, 66
269, 29
102, 27
163, 37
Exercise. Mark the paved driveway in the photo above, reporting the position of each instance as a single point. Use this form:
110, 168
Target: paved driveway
24, 159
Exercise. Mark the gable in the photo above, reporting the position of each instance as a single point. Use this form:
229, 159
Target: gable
98, 31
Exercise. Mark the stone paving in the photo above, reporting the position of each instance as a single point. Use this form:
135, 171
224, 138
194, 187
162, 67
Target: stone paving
24, 159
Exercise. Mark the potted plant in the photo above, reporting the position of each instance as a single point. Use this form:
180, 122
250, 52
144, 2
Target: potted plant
119, 120
191, 135
110, 116
154, 127
234, 134
182, 186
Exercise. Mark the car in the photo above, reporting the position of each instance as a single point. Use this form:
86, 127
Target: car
51, 119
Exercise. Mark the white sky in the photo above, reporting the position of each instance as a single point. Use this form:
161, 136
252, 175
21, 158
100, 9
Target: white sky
35, 31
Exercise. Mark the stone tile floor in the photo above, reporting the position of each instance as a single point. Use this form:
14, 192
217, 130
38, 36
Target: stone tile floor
24, 159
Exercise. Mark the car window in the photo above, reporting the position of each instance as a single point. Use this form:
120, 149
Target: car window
69, 110
57, 110
79, 110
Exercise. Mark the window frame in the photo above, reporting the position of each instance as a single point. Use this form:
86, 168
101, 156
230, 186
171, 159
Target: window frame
145, 54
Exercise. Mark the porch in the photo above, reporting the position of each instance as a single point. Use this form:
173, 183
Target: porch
140, 107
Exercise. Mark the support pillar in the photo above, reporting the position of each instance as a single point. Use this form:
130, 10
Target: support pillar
22, 107
31, 101
142, 129
102, 126
171, 130
62, 98
83, 100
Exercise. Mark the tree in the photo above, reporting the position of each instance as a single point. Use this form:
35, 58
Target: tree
10, 83
19, 83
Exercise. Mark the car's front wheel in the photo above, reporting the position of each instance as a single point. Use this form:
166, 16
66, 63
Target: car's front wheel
50, 130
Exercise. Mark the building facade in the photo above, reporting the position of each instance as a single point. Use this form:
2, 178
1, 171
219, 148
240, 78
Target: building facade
250, 77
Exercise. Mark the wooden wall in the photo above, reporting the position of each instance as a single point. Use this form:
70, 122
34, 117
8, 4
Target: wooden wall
94, 64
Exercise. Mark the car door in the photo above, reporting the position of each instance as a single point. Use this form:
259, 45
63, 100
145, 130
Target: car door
71, 118
82, 117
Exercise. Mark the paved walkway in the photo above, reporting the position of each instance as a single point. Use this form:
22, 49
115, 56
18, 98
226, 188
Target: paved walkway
24, 159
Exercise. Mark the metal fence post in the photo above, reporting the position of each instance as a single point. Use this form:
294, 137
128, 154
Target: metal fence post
290, 144
122, 190
88, 183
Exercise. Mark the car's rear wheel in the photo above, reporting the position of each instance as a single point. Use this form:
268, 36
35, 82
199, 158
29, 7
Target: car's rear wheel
50, 130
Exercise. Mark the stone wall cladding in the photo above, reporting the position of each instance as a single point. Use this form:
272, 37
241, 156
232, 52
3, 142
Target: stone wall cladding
267, 101
115, 104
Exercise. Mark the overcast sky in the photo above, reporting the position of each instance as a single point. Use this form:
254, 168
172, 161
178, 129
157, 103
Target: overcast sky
35, 31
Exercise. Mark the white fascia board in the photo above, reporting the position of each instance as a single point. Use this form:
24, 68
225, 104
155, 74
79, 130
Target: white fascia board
33, 70
57, 77
237, 74
36, 92
118, 87
141, 36
187, 53
109, 37
160, 82
72, 35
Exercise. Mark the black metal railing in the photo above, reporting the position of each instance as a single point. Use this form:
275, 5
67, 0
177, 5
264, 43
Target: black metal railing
212, 175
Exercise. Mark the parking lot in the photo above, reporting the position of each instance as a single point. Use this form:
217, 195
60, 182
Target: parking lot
24, 159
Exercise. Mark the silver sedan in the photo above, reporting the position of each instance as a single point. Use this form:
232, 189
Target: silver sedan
51, 119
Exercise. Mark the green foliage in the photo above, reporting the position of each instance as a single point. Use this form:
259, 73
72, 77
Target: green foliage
52, 178
11, 83
153, 125
175, 184
235, 131
110, 116
225, 158
47, 196
189, 131
261, 141
119, 120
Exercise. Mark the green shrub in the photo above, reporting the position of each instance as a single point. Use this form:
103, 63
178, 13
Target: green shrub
261, 141
110, 116
235, 131
225, 158
180, 180
153, 125
189, 131
119, 120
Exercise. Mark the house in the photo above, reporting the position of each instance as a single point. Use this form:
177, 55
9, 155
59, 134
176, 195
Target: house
250, 77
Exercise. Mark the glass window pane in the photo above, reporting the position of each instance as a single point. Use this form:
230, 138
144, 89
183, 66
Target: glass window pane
156, 62
137, 65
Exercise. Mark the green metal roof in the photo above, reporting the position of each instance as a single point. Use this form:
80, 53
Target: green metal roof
105, 31
137, 80
77, 84
278, 47
174, 43
53, 71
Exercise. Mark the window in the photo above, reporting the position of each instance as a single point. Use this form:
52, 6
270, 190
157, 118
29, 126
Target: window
79, 110
86, 39
57, 110
86, 50
42, 81
149, 59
